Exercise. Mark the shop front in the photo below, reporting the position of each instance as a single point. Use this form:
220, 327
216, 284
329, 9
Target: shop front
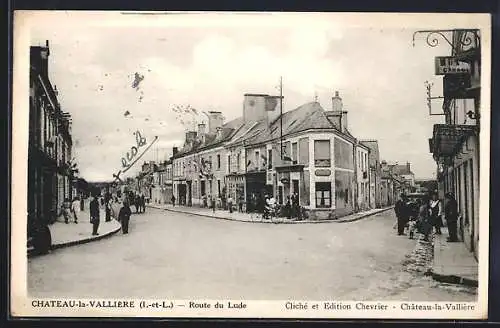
455, 149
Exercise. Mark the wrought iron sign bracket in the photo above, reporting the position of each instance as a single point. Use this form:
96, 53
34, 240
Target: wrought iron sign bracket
433, 37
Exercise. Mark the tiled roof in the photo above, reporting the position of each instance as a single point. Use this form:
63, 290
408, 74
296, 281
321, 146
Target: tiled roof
305, 117
211, 140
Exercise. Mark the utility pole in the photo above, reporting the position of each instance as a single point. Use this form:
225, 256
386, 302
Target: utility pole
281, 116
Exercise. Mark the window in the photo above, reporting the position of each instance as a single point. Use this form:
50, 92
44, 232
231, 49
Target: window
229, 163
294, 153
218, 187
269, 158
218, 162
366, 161
257, 159
323, 194
238, 162
322, 153
304, 151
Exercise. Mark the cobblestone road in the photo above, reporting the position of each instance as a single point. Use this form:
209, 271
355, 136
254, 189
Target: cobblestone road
181, 256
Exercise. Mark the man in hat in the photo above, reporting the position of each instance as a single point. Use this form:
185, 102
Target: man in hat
402, 213
451, 217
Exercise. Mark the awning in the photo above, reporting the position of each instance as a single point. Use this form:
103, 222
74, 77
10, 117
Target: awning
290, 168
446, 139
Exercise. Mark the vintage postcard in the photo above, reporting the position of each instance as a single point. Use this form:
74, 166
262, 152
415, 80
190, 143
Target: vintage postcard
240, 165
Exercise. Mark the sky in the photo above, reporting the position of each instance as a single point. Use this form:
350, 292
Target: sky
210, 63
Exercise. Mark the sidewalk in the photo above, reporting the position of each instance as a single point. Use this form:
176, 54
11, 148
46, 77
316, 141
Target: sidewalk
453, 263
257, 218
64, 235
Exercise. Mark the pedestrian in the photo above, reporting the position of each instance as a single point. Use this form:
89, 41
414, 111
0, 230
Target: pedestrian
451, 217
240, 203
212, 199
94, 215
424, 217
143, 204
173, 200
82, 203
436, 213
75, 208
124, 216
230, 204
66, 210
401, 209
137, 203
108, 210
288, 207
295, 206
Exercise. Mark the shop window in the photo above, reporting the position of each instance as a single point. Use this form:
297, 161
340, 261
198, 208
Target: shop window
323, 194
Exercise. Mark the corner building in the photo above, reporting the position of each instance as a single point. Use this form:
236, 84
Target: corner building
307, 151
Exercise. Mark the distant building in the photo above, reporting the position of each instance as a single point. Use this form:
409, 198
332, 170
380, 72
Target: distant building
375, 172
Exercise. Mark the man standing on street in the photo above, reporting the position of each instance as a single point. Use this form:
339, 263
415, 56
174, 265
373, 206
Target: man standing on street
75, 208
124, 217
451, 217
401, 210
94, 215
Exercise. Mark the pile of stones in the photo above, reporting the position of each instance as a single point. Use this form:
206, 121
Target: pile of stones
420, 259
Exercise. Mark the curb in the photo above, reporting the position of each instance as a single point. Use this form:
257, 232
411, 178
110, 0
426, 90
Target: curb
275, 222
86, 240
456, 280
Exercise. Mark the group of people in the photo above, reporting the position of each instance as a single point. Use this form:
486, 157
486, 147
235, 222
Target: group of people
427, 214
139, 202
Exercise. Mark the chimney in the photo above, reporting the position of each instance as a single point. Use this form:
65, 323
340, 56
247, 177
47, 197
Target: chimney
344, 121
408, 167
201, 132
215, 120
175, 150
254, 107
56, 92
337, 103
219, 133
190, 138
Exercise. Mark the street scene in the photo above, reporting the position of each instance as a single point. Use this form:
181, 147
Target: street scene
195, 257
227, 161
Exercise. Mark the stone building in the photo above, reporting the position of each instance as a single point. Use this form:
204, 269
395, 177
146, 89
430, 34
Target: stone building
51, 171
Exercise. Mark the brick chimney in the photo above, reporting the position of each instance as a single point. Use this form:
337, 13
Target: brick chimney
408, 167
339, 112
201, 132
215, 120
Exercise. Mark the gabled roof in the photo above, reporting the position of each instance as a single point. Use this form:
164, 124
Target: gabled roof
211, 140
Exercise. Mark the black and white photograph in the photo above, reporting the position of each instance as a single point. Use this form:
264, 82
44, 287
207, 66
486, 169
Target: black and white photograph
250, 164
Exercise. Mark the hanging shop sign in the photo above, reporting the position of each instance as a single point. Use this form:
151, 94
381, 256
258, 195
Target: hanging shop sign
455, 86
451, 65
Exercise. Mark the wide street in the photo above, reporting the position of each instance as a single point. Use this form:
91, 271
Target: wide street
179, 256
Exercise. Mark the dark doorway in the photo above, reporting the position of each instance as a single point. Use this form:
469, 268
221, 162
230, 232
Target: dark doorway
295, 184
